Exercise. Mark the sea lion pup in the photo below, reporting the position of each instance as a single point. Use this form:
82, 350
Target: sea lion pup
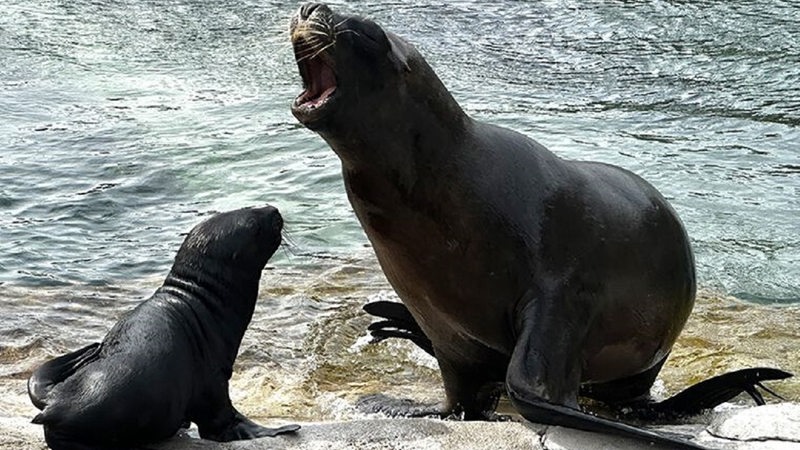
168, 361
518, 266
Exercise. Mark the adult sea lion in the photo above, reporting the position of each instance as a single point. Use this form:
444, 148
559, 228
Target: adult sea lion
517, 266
168, 361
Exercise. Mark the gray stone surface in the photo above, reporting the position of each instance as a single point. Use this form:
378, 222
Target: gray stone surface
396, 434
778, 423
758, 428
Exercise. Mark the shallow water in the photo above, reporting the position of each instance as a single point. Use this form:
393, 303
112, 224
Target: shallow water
124, 123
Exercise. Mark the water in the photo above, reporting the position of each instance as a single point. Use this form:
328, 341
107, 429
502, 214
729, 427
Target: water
123, 123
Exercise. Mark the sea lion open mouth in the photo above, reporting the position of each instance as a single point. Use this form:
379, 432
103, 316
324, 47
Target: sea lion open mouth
319, 81
312, 34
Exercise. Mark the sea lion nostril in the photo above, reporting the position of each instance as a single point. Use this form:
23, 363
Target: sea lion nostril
308, 9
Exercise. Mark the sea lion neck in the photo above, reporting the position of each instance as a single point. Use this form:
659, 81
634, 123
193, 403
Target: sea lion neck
207, 302
414, 118
226, 300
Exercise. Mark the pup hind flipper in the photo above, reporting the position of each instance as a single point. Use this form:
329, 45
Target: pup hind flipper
57, 370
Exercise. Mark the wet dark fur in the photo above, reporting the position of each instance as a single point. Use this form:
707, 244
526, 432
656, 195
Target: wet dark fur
167, 362
517, 266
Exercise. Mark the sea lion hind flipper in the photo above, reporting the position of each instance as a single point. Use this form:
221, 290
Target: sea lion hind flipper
57, 370
422, 342
396, 407
543, 385
399, 324
713, 391
392, 311
390, 325
624, 391
386, 329
539, 411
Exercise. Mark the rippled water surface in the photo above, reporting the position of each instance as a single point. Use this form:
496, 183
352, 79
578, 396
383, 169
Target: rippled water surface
123, 123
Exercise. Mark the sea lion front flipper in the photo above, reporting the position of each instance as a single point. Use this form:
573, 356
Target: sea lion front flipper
713, 391
218, 420
543, 385
244, 428
238, 427
57, 370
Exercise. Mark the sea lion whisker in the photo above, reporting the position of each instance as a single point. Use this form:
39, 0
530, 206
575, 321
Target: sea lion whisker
309, 54
313, 40
288, 242
305, 42
348, 31
317, 53
308, 49
318, 21
318, 33
306, 39
303, 33
288, 250
305, 53
341, 22
284, 46
316, 25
